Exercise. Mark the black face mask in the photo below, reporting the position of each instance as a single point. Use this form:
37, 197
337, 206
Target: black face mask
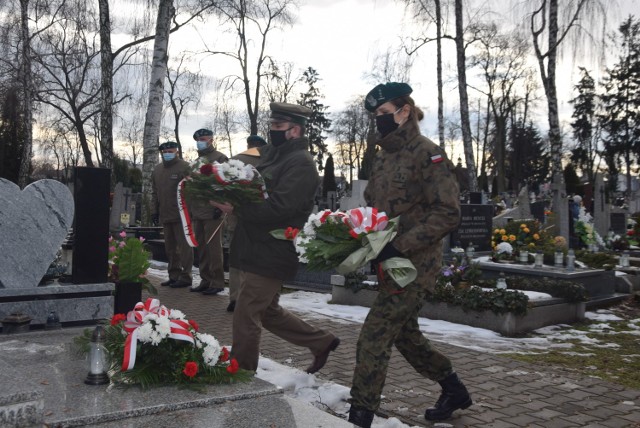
277, 137
386, 124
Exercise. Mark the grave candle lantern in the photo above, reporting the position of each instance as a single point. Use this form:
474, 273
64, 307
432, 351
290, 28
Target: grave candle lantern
559, 258
97, 359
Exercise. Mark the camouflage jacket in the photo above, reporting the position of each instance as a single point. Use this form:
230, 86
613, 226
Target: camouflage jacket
413, 179
164, 186
292, 181
203, 210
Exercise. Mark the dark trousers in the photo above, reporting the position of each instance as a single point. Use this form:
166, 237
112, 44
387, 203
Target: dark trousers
179, 253
210, 256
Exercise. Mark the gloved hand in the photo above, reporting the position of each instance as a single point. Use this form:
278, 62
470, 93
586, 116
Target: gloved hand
389, 251
216, 213
155, 219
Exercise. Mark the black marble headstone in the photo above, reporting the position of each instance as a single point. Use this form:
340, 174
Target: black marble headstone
537, 211
475, 227
619, 223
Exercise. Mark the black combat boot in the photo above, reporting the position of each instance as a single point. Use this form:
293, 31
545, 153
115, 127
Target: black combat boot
454, 396
360, 417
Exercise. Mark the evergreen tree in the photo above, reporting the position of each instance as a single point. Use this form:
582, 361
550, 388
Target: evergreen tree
529, 160
329, 179
585, 126
572, 180
11, 134
620, 120
319, 121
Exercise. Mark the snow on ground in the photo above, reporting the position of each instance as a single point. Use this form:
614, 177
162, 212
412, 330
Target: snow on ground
329, 395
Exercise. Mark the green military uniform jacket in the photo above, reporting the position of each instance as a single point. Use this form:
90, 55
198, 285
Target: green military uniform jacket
292, 180
203, 210
164, 187
413, 179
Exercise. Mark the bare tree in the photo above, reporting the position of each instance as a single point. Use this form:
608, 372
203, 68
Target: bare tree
153, 116
546, 21
351, 129
183, 89
280, 81
246, 17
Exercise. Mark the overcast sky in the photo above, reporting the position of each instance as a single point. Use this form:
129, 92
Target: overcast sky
340, 38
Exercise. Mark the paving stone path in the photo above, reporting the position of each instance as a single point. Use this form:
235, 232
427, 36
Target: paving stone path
506, 393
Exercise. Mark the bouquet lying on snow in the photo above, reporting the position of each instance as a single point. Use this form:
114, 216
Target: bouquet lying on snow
347, 241
233, 181
153, 345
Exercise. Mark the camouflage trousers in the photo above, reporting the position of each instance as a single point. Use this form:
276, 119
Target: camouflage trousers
393, 320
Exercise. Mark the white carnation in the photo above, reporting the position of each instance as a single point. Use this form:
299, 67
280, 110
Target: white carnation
504, 247
211, 349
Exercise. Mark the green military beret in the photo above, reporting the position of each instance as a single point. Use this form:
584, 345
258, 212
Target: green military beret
168, 145
256, 140
202, 133
285, 112
385, 92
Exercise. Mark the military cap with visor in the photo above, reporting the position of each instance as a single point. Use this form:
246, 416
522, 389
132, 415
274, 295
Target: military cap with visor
202, 133
168, 145
285, 112
385, 92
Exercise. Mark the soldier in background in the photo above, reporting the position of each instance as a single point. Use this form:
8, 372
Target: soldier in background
164, 210
250, 156
207, 225
412, 179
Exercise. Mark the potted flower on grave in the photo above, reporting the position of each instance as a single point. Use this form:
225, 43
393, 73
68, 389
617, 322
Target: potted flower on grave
458, 273
128, 265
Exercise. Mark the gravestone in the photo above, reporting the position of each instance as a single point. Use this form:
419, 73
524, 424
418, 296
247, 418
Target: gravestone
33, 224
123, 208
520, 212
601, 208
475, 227
331, 200
537, 211
356, 199
619, 223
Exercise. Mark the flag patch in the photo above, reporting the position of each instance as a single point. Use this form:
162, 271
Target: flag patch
436, 158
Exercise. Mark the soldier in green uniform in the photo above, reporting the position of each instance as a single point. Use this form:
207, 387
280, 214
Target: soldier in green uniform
164, 210
412, 179
207, 225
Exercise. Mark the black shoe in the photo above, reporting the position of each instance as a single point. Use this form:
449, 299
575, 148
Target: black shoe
167, 282
212, 291
321, 359
180, 284
454, 396
360, 417
232, 306
199, 288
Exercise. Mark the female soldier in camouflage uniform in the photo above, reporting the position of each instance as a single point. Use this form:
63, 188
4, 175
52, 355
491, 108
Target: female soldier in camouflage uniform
413, 179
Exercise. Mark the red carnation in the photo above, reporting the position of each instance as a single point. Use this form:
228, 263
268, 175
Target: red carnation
631, 232
225, 354
117, 318
194, 324
206, 169
290, 233
190, 369
233, 366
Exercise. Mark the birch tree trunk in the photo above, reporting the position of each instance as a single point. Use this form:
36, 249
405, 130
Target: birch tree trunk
439, 72
106, 100
27, 95
465, 124
153, 117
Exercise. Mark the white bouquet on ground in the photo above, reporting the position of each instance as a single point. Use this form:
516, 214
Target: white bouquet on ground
347, 241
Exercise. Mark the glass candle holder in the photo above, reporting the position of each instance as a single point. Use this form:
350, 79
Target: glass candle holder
558, 259
539, 259
571, 261
624, 259
524, 256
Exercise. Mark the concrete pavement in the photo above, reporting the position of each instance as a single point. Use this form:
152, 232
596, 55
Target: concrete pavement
506, 393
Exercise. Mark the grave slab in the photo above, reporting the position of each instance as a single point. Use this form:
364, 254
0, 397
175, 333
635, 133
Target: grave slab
45, 360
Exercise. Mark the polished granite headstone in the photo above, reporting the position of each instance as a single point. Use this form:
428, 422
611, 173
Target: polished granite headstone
33, 224
44, 369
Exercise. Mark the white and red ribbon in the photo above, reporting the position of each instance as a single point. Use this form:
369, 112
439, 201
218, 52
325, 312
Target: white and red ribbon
187, 227
135, 318
364, 220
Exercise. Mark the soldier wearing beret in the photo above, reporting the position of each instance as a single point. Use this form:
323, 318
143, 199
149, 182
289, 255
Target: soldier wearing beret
412, 179
265, 262
164, 210
207, 225
251, 156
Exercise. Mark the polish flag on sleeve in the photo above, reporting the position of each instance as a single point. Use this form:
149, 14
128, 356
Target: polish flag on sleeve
436, 159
